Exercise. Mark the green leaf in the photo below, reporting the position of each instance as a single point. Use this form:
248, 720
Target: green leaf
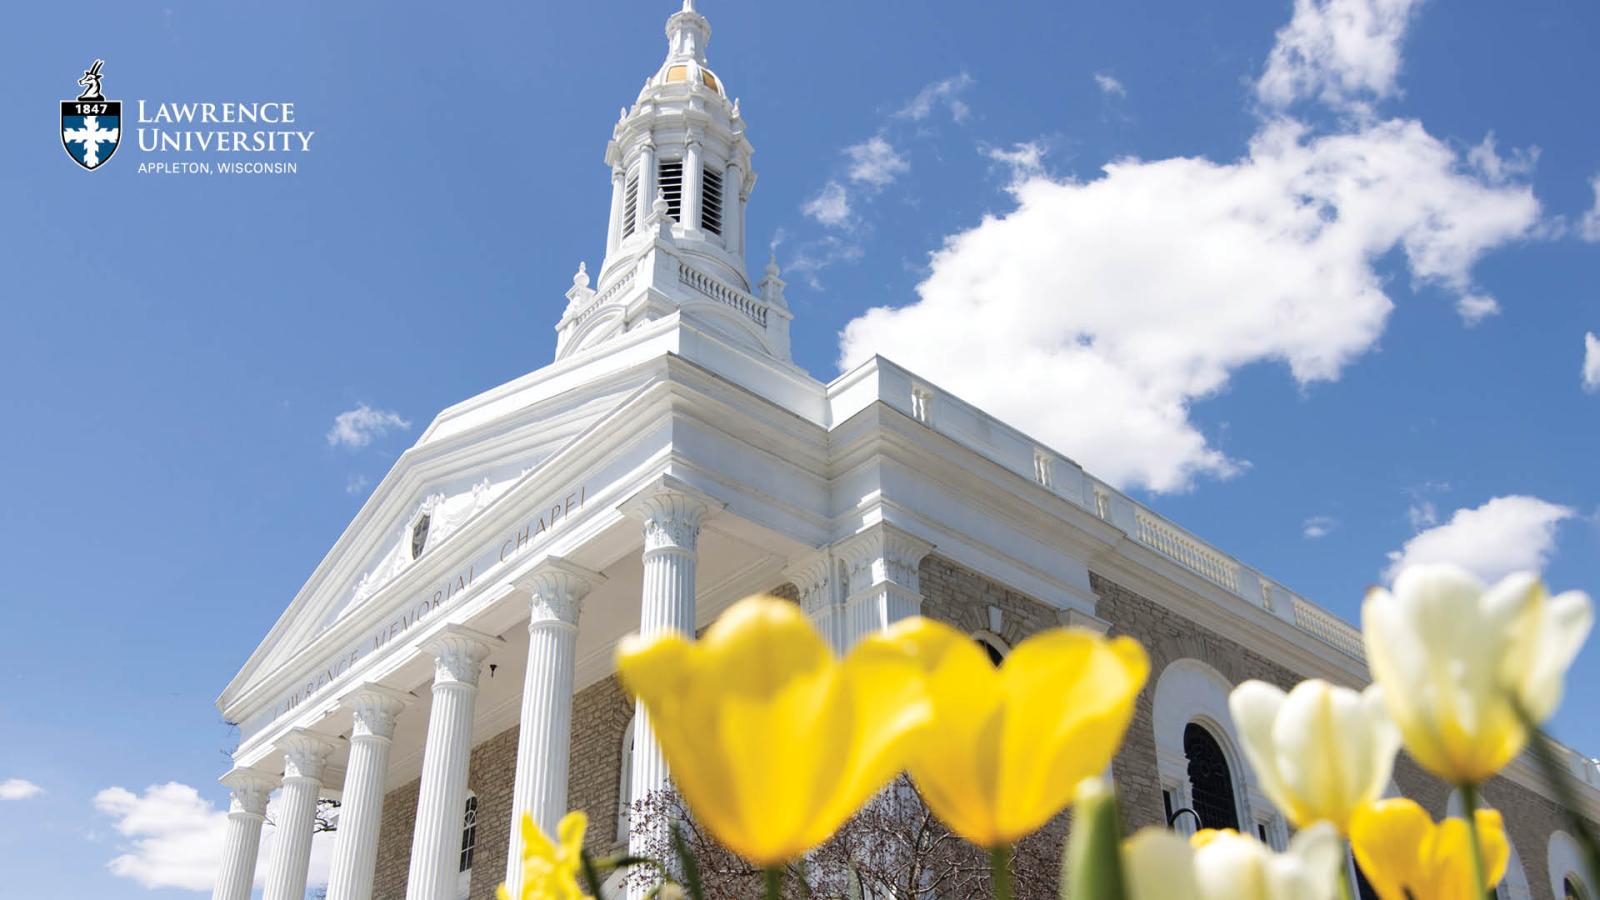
1091, 869
687, 864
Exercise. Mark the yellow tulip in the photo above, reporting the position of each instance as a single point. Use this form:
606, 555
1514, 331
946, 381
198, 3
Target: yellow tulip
1320, 751
550, 870
1452, 658
1008, 747
1405, 855
1226, 865
772, 740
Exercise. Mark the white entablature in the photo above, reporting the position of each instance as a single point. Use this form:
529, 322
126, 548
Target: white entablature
680, 179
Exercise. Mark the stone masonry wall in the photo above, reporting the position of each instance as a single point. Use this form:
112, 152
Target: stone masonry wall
962, 598
1530, 819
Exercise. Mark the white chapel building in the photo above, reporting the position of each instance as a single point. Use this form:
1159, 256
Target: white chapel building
448, 665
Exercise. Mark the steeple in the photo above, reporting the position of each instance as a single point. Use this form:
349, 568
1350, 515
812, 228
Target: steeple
680, 179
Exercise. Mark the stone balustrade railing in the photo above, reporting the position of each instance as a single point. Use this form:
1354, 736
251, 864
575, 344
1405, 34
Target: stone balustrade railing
971, 426
710, 287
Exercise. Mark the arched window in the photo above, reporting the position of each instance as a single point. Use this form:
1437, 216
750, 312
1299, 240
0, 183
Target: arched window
1211, 782
993, 646
625, 782
469, 847
469, 832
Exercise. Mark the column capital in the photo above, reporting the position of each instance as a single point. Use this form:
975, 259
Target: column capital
373, 709
556, 588
250, 788
458, 654
305, 754
813, 574
888, 552
671, 510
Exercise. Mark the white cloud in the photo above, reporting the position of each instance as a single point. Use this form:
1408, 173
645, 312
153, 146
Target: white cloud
875, 162
1589, 227
1474, 308
1487, 160
1109, 85
1318, 527
1094, 313
1340, 51
173, 838
19, 789
1591, 362
356, 428
831, 207
356, 483
1025, 160
1505, 535
174, 835
945, 93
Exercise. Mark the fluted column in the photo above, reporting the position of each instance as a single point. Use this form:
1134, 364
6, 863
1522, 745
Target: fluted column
355, 852
442, 796
614, 228
544, 740
733, 199
647, 185
691, 186
883, 586
304, 757
672, 513
247, 809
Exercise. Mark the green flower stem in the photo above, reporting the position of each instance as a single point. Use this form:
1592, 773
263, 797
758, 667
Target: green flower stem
1469, 802
775, 883
1346, 890
1000, 872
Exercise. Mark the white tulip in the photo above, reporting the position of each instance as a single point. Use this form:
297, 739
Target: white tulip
1226, 865
1319, 751
1453, 657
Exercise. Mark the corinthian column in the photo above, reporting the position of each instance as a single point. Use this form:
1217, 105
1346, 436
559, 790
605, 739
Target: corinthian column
304, 756
544, 741
442, 797
247, 809
355, 851
883, 584
672, 512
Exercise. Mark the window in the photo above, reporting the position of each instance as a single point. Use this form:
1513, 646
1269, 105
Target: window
711, 201
1210, 780
469, 832
625, 782
993, 646
630, 204
671, 182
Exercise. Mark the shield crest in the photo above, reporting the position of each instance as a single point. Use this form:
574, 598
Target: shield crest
91, 126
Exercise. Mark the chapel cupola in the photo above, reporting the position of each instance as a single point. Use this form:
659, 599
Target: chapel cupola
680, 179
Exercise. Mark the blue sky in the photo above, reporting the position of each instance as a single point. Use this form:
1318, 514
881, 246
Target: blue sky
1310, 313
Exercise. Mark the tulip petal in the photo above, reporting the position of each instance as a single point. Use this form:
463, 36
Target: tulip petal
1159, 865
1255, 706
890, 708
1388, 838
1310, 868
954, 762
783, 721
1069, 698
1561, 632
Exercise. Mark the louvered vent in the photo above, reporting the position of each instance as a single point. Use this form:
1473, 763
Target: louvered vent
630, 204
711, 201
672, 186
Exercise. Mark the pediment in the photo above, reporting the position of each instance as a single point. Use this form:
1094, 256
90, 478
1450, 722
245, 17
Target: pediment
469, 459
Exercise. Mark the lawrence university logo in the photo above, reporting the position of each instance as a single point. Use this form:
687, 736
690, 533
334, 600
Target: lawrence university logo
91, 125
